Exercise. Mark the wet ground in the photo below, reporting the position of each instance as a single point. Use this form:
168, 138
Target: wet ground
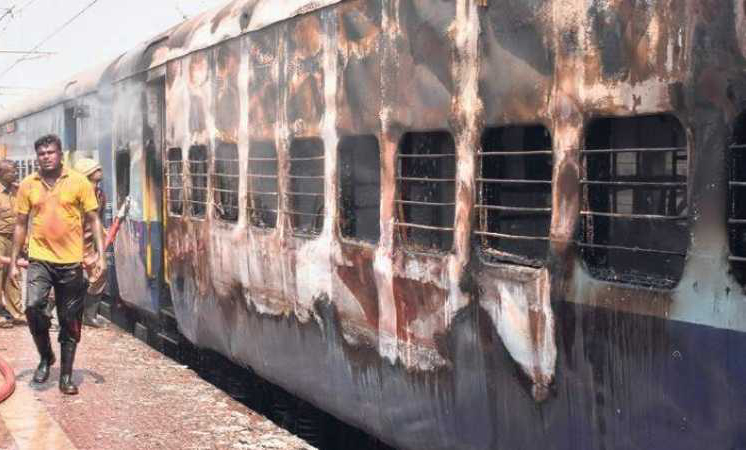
131, 397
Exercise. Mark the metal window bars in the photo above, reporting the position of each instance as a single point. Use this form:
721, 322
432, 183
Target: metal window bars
25, 167
634, 203
306, 188
425, 186
263, 184
737, 210
225, 182
21, 168
198, 174
174, 181
515, 195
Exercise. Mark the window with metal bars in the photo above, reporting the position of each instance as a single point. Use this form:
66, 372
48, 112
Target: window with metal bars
360, 187
425, 184
515, 194
174, 182
225, 182
306, 186
737, 201
21, 167
263, 187
198, 169
634, 212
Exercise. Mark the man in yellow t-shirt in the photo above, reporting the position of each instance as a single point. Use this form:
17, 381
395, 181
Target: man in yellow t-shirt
56, 201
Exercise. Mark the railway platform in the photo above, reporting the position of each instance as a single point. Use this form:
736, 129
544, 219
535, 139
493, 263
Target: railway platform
131, 397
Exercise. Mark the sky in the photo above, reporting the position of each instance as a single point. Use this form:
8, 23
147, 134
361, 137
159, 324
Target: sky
104, 30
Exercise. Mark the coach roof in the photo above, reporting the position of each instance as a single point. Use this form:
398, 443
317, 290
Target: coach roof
210, 28
202, 31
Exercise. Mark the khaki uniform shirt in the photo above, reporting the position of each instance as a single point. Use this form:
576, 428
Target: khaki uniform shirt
7, 211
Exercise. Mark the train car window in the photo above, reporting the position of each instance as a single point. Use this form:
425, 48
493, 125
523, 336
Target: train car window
198, 175
425, 182
306, 187
262, 180
360, 187
122, 163
634, 222
174, 181
737, 201
515, 194
225, 182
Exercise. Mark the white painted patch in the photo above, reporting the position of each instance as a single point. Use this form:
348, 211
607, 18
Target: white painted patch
531, 344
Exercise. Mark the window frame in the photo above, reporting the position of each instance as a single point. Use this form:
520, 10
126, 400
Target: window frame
340, 193
217, 178
631, 278
736, 149
206, 188
181, 189
493, 255
125, 151
400, 224
251, 175
290, 193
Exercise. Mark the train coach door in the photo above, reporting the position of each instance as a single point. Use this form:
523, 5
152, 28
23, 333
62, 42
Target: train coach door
153, 143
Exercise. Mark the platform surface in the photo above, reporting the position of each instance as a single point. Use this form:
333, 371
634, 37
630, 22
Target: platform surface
131, 397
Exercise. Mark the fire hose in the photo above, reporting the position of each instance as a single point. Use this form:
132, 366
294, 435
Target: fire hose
9, 383
114, 229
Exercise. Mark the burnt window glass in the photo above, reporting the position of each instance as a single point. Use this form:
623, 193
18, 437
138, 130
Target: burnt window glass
737, 201
515, 194
262, 181
634, 211
425, 182
198, 176
122, 166
225, 182
306, 186
360, 187
174, 181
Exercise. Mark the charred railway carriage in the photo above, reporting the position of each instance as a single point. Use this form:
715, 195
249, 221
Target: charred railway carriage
495, 224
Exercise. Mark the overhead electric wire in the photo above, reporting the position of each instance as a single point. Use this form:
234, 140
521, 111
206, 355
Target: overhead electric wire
17, 12
26, 52
50, 36
8, 11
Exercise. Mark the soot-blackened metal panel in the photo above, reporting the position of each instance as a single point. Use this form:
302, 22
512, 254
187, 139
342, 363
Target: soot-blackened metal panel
457, 352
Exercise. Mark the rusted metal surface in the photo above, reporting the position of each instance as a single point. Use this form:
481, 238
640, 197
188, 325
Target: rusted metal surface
410, 336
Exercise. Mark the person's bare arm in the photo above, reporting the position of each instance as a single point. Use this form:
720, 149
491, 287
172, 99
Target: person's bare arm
19, 239
94, 221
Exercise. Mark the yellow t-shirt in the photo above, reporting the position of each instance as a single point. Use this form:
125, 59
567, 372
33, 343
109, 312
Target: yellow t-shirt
56, 215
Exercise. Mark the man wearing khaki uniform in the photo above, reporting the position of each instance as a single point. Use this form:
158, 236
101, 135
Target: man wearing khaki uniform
11, 292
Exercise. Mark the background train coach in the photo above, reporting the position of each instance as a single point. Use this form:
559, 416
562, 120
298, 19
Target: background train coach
453, 224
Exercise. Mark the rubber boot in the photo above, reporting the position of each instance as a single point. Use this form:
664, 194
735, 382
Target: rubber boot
66, 371
90, 314
44, 347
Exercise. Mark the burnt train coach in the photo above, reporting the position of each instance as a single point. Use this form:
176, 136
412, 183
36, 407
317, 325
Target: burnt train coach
454, 224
